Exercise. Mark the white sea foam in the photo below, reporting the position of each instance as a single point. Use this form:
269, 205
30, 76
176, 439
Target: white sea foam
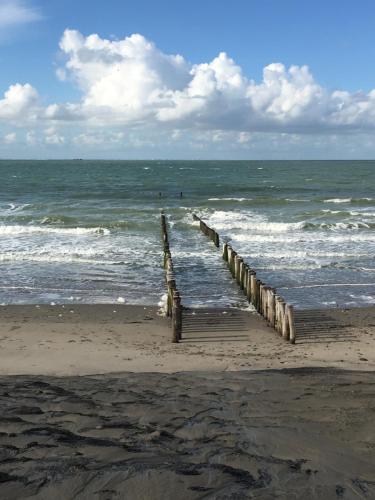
162, 304
297, 200
229, 199
49, 258
17, 229
233, 221
338, 200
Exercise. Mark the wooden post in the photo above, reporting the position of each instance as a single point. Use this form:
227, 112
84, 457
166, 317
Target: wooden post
278, 322
257, 292
261, 306
171, 285
266, 304
272, 306
238, 261
176, 317
225, 252
292, 328
245, 278
253, 282
285, 322
248, 285
232, 262
216, 240
242, 274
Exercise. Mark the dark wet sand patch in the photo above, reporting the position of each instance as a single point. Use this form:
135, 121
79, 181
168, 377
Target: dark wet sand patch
298, 433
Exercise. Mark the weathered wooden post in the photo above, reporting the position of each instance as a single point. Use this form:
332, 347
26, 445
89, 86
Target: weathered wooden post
277, 313
176, 317
292, 328
248, 285
272, 306
225, 252
285, 322
238, 262
253, 283
171, 287
232, 266
245, 278
261, 288
216, 240
266, 304
242, 274
257, 295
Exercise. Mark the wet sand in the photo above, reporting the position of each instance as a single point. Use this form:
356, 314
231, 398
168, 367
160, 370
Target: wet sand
96, 403
292, 434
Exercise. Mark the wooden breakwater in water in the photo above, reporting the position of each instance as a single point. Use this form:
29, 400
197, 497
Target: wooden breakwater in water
209, 232
269, 304
174, 306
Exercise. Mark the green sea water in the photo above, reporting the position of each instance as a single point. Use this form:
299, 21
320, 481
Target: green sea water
88, 231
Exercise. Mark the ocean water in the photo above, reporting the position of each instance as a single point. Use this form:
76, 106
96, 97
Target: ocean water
88, 231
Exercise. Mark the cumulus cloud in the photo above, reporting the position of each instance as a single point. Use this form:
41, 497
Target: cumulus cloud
17, 12
131, 81
130, 84
20, 101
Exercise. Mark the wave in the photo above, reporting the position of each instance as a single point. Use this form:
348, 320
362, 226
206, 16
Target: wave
232, 221
365, 200
17, 229
47, 257
339, 225
229, 199
338, 200
313, 238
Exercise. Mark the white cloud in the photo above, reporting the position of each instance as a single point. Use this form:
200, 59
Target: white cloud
20, 101
92, 139
132, 82
17, 12
131, 89
10, 138
52, 136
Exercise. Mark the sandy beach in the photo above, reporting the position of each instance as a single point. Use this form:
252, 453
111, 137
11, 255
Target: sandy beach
97, 403
290, 434
96, 339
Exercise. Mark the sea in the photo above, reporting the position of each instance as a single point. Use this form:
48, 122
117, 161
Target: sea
89, 231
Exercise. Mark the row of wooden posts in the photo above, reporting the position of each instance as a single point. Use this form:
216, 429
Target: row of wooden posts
265, 299
213, 235
174, 306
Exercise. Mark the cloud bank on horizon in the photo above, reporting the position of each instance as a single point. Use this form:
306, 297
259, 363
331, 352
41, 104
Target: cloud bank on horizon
130, 86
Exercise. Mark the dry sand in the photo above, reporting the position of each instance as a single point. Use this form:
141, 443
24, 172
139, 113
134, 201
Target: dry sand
93, 339
246, 415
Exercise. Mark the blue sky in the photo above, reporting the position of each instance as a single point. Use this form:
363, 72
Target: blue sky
72, 95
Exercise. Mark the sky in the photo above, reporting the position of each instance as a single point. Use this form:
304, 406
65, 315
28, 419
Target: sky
246, 79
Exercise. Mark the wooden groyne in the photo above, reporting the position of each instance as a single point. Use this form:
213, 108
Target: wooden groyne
174, 306
277, 312
209, 232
